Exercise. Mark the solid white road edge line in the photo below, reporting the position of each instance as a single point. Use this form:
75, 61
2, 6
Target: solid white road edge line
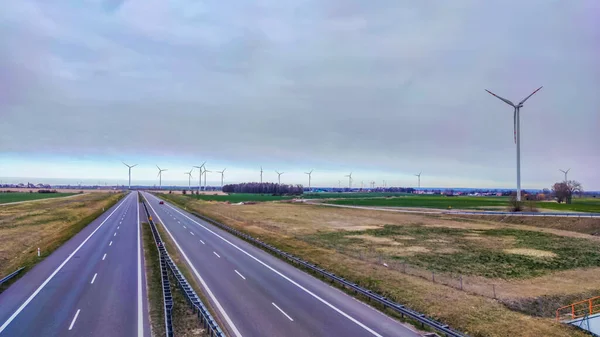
140, 305
94, 278
217, 255
74, 319
237, 272
234, 329
283, 312
282, 275
12, 317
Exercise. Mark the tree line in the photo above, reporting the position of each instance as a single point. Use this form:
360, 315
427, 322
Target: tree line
264, 188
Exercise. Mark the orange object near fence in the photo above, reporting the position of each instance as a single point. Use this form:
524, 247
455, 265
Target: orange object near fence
579, 309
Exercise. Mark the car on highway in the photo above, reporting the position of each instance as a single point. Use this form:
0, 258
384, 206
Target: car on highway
161, 202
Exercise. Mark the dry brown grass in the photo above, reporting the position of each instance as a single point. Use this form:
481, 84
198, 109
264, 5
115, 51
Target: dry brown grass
45, 224
285, 226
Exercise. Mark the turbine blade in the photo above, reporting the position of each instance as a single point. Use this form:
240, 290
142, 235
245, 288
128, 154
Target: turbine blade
501, 98
158, 167
526, 98
134, 165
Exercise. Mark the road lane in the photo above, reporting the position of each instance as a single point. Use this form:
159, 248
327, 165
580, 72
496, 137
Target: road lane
316, 308
87, 287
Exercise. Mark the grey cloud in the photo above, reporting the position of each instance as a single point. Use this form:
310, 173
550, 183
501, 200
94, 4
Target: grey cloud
390, 85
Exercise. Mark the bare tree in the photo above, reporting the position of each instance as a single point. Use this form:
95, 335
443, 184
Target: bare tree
563, 191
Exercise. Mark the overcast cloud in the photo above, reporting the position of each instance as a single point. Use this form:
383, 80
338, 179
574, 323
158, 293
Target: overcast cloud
350, 85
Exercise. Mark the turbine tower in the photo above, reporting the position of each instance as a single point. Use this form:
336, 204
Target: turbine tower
130, 167
160, 171
200, 175
349, 180
222, 174
419, 176
278, 176
517, 133
189, 174
565, 172
309, 177
205, 171
261, 172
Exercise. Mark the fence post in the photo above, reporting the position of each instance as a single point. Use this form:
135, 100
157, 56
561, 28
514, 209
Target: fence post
38, 251
494, 288
433, 277
461, 284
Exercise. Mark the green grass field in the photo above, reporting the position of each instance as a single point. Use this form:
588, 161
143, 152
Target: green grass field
17, 196
239, 197
482, 203
474, 252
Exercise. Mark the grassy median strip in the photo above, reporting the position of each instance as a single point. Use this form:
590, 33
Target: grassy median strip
46, 225
185, 322
153, 282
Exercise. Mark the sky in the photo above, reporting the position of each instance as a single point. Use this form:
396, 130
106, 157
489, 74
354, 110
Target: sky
383, 89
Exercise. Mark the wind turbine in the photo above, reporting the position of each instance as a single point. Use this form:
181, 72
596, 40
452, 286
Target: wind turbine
349, 180
205, 171
339, 184
200, 175
419, 176
222, 174
261, 171
309, 177
565, 172
517, 133
160, 171
278, 176
130, 167
189, 178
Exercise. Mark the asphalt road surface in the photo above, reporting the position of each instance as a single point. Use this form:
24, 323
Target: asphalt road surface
93, 285
256, 294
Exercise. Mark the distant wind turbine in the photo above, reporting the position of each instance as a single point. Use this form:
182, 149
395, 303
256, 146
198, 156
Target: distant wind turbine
517, 133
130, 167
200, 175
222, 175
309, 177
279, 177
349, 180
565, 172
189, 174
419, 176
205, 171
160, 171
261, 172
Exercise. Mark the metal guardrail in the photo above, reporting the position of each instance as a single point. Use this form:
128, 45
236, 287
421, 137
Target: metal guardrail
166, 285
399, 308
201, 311
11, 275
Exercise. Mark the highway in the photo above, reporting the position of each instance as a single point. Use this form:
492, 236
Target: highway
256, 294
93, 285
